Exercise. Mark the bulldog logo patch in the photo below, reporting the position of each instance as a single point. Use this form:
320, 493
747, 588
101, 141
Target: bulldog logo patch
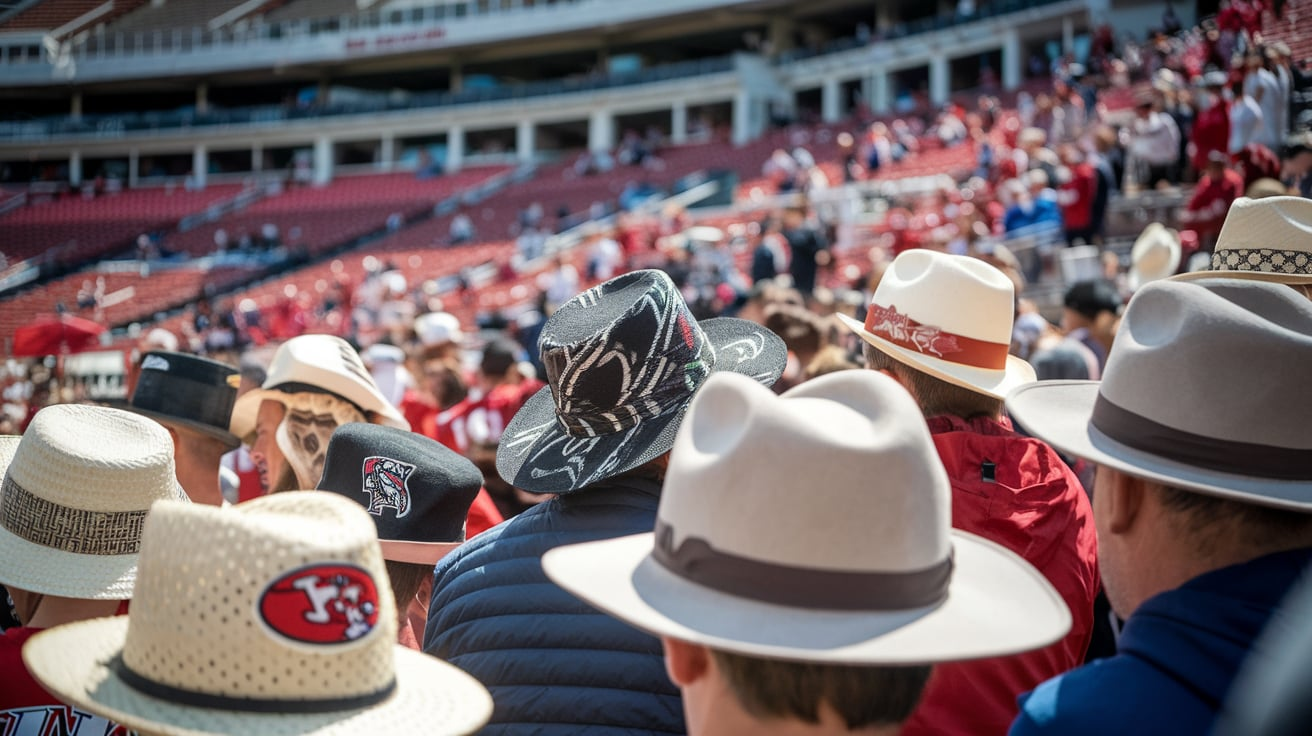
385, 482
321, 604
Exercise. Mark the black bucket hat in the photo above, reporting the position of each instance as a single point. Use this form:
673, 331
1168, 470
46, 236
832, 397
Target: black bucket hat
623, 361
417, 490
187, 390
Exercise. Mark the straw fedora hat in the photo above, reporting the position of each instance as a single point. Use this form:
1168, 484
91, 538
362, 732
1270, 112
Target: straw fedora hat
189, 391
1267, 239
1155, 255
949, 316
416, 490
734, 565
322, 364
1204, 390
73, 499
271, 617
623, 361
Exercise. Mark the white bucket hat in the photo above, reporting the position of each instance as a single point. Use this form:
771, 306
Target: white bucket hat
272, 617
1204, 389
436, 328
1155, 255
949, 316
1267, 239
74, 498
735, 565
322, 364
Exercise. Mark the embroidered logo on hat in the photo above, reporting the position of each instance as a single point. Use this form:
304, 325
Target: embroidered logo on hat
321, 604
154, 363
385, 482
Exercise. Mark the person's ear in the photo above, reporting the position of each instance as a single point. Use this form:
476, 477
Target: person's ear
1124, 501
684, 662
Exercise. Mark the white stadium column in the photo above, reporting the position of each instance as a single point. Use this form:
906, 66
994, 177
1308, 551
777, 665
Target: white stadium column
75, 167
879, 97
939, 82
1011, 60
200, 165
831, 100
134, 167
601, 130
323, 160
387, 151
742, 117
525, 139
455, 148
679, 122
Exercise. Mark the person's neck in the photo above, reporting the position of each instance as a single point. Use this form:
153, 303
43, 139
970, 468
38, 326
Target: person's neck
733, 721
199, 477
53, 611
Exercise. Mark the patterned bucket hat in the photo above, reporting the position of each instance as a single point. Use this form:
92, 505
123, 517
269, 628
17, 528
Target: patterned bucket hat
623, 361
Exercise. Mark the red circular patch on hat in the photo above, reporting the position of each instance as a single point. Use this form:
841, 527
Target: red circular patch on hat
321, 604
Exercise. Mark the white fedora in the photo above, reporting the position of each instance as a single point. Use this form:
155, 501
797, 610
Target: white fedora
949, 316
272, 617
1155, 255
320, 364
74, 498
1267, 239
815, 527
1204, 389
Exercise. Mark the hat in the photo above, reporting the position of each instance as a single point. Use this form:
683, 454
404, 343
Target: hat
1268, 239
74, 497
1155, 255
623, 360
316, 364
436, 328
190, 391
1092, 297
1203, 390
734, 562
949, 316
417, 491
1216, 79
269, 617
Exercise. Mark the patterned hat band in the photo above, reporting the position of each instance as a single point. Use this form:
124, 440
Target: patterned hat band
1263, 260
663, 384
78, 531
907, 333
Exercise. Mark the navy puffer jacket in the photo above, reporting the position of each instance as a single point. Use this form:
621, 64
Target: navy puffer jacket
553, 664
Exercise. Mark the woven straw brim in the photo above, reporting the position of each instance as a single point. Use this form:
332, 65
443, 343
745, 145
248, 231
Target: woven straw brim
1058, 413
981, 380
997, 604
538, 455
72, 662
40, 569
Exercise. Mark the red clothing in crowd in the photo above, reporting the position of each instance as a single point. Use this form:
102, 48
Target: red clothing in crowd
1211, 133
1077, 212
1212, 200
497, 407
1015, 491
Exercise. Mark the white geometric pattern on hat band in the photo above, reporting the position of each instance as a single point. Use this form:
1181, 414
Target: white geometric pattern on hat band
78, 531
1264, 260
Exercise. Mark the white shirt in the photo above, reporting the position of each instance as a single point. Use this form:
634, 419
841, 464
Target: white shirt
1245, 120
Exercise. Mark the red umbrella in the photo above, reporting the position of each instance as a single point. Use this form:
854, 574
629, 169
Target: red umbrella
51, 334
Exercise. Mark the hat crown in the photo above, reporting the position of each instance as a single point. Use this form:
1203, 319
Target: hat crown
622, 351
186, 387
1218, 358
94, 458
1269, 235
283, 598
848, 453
931, 288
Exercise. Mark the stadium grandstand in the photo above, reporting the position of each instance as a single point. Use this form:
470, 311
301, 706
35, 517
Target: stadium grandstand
163, 156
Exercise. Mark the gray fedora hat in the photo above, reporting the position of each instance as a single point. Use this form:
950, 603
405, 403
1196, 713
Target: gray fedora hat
1205, 389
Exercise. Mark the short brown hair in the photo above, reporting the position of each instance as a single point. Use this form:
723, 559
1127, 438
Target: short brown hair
406, 578
861, 696
935, 396
1207, 518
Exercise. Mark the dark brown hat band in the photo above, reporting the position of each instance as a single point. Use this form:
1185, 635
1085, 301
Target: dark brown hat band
1210, 453
697, 561
78, 531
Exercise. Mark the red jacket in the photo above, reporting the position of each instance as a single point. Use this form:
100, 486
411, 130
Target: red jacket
1211, 133
1078, 213
1035, 507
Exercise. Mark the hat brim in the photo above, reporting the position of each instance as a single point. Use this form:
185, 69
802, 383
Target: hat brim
229, 440
247, 408
74, 663
996, 605
1287, 279
982, 380
49, 571
538, 455
1058, 412
419, 553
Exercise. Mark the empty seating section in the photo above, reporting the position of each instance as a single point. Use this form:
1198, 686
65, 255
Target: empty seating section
318, 219
129, 296
182, 15
74, 230
313, 9
51, 14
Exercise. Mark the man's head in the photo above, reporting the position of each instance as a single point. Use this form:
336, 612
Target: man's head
941, 325
623, 360
1089, 303
764, 629
1192, 475
193, 398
